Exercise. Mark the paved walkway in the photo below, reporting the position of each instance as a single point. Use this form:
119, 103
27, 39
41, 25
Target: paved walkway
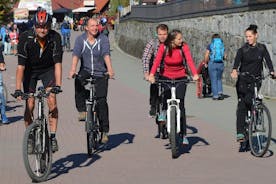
133, 154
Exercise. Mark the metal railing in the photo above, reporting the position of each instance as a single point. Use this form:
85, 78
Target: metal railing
179, 9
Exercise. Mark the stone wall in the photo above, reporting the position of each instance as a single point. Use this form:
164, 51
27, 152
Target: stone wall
131, 36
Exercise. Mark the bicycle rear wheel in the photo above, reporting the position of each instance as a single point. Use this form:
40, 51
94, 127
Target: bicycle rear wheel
174, 137
260, 131
37, 152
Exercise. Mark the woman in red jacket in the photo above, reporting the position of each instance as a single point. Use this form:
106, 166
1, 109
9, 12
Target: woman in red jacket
174, 69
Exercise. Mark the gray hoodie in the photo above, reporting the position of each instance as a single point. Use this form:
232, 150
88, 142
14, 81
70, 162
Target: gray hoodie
92, 56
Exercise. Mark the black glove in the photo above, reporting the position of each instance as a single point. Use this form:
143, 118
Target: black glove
17, 93
56, 89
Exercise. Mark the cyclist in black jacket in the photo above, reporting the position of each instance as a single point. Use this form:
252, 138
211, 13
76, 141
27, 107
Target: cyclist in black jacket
39, 58
249, 59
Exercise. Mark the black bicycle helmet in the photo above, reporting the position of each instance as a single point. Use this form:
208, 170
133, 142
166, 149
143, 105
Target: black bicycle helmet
42, 18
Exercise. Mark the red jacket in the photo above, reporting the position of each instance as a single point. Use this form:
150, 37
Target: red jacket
173, 65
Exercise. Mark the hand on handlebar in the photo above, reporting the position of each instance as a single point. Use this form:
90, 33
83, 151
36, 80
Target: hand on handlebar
56, 89
111, 74
17, 94
234, 74
195, 77
151, 78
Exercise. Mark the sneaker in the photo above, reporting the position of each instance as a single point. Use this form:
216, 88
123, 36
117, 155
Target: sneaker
82, 116
162, 116
221, 97
104, 138
240, 138
152, 111
54, 144
185, 141
5, 120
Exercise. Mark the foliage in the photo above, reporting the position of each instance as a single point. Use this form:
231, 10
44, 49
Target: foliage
5, 10
114, 5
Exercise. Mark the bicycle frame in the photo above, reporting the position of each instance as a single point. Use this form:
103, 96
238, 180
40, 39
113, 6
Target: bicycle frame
256, 100
91, 101
173, 102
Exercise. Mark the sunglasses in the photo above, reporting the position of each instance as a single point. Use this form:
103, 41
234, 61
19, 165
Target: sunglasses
42, 26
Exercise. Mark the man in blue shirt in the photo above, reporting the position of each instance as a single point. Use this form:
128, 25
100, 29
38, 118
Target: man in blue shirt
93, 49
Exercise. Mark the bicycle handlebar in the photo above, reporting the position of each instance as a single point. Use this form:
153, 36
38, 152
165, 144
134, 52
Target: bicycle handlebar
42, 92
174, 81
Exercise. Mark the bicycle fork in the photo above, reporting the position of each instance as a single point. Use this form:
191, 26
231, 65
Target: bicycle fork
173, 102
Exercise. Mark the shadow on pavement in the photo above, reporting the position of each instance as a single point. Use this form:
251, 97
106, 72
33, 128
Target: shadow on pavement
117, 139
193, 129
64, 165
15, 119
13, 108
193, 141
273, 140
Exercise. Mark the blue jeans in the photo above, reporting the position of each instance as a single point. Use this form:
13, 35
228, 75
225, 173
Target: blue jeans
215, 73
2, 101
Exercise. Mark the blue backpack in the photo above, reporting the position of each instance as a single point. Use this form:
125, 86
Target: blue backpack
216, 50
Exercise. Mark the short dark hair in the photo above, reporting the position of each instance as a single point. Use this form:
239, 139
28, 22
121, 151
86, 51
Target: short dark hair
163, 27
215, 36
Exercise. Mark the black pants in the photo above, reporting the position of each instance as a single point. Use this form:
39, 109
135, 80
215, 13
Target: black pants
245, 93
81, 94
180, 94
206, 90
153, 94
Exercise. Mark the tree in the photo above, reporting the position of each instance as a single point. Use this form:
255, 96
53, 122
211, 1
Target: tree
5, 10
114, 5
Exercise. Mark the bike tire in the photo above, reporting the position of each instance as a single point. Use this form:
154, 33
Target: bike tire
90, 143
40, 172
89, 132
174, 137
260, 131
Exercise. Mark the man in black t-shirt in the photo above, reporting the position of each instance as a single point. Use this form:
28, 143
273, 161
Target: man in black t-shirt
39, 58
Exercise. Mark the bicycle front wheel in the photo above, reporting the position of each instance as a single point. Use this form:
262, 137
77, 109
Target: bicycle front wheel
37, 152
174, 137
260, 131
92, 134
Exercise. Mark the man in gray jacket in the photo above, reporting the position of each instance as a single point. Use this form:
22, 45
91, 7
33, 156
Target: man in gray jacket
93, 49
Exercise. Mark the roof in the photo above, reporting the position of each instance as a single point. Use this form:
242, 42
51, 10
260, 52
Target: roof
100, 4
58, 4
82, 9
71, 4
149, 1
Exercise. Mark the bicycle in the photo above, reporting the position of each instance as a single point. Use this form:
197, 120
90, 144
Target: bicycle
92, 126
173, 114
258, 120
37, 150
